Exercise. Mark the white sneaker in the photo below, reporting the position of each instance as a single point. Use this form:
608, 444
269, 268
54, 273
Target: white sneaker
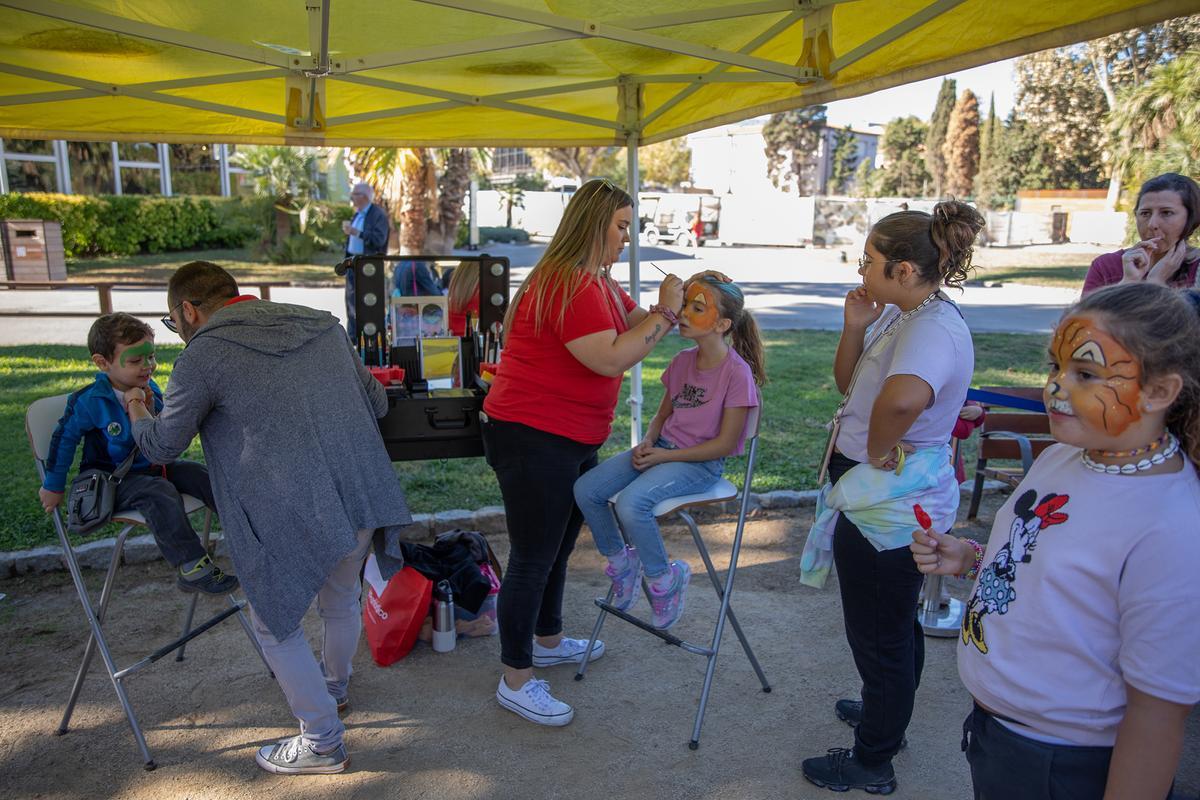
534, 702
568, 651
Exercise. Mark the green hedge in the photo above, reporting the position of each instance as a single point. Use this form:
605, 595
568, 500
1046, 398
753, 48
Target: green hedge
124, 225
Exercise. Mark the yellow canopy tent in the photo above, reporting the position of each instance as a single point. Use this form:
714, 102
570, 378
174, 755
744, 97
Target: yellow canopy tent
491, 72
484, 72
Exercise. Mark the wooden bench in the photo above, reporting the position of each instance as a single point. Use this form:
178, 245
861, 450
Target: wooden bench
1009, 434
105, 288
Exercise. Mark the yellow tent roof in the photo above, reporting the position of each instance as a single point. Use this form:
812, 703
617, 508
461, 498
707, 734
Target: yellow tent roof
482, 72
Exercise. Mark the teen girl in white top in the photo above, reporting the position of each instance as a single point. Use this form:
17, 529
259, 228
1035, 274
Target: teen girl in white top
904, 386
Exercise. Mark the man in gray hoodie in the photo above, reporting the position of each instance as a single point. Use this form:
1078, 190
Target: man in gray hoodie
303, 485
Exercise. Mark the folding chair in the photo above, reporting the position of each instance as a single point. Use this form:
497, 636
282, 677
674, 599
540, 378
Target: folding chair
719, 493
40, 421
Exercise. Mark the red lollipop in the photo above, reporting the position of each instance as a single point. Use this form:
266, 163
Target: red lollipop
922, 518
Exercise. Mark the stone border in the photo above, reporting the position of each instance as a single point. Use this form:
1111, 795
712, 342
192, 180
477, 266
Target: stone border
488, 520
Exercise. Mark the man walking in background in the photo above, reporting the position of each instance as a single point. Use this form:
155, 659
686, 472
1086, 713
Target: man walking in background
366, 234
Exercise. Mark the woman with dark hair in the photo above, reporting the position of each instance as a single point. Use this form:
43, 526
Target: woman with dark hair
1167, 213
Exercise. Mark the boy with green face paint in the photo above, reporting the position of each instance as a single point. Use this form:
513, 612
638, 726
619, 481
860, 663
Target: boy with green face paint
122, 348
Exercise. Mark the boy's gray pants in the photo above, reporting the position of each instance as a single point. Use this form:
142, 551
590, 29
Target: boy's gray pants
310, 688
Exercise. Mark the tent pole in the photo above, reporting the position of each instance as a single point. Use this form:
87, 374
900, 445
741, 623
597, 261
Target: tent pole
635, 375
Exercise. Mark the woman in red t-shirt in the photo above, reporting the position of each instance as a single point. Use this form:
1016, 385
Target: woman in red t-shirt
1167, 213
570, 333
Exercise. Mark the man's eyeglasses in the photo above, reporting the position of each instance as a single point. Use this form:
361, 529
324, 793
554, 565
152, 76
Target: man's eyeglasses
169, 323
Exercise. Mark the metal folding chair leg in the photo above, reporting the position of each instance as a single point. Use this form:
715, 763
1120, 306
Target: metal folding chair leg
191, 609
89, 649
724, 593
98, 642
721, 591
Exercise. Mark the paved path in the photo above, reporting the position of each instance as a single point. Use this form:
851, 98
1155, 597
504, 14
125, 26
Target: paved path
787, 289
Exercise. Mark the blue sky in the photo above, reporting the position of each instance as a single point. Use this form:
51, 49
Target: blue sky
919, 98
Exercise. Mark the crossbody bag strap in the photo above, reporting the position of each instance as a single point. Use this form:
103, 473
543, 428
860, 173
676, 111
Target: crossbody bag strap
120, 472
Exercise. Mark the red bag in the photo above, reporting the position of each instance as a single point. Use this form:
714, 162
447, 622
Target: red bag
394, 611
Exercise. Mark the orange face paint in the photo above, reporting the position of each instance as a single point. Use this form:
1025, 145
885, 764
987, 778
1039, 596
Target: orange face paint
1095, 379
700, 309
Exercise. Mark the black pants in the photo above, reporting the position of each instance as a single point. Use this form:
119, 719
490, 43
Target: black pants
879, 606
157, 499
1008, 766
537, 473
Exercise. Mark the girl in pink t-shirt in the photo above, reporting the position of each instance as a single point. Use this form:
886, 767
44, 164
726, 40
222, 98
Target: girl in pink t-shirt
1079, 639
710, 390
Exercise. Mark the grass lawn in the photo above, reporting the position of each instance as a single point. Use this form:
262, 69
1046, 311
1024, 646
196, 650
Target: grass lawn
242, 264
1065, 276
799, 400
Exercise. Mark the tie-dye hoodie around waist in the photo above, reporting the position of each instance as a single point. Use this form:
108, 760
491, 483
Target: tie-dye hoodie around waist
880, 504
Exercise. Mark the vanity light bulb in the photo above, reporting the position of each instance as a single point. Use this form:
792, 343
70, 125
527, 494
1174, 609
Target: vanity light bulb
369, 329
368, 269
497, 299
369, 299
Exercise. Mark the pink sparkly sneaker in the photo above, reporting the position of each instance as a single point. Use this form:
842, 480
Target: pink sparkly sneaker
625, 584
668, 605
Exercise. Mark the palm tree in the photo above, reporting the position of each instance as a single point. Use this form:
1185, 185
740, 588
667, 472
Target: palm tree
284, 174
457, 164
1160, 117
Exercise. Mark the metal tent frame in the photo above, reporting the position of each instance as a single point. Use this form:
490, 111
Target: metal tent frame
694, 65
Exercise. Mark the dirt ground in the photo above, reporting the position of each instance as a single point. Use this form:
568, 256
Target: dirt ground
429, 727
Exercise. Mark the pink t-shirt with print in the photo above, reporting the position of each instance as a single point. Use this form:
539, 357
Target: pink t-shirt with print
700, 396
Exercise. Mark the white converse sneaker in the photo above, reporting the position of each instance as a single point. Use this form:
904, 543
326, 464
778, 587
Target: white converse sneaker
568, 651
534, 702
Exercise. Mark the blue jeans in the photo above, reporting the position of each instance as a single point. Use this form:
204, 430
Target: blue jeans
640, 493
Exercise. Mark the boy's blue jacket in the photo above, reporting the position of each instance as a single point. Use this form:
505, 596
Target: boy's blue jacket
94, 415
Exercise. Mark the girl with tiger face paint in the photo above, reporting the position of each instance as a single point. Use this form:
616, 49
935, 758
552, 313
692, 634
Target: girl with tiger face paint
1094, 381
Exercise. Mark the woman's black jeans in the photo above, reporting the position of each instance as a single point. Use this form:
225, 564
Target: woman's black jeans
537, 473
879, 605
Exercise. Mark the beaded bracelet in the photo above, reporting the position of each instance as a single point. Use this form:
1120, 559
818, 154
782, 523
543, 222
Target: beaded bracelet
665, 313
973, 572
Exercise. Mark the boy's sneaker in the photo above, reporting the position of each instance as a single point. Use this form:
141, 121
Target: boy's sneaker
568, 651
850, 712
534, 702
625, 584
668, 605
206, 577
840, 771
296, 757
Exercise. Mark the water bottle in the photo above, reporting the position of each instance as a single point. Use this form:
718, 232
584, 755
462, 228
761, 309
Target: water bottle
444, 633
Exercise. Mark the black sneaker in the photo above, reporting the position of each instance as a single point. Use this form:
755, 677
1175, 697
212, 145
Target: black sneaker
850, 712
206, 577
839, 771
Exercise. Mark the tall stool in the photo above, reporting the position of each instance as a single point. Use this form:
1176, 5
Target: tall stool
721, 492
